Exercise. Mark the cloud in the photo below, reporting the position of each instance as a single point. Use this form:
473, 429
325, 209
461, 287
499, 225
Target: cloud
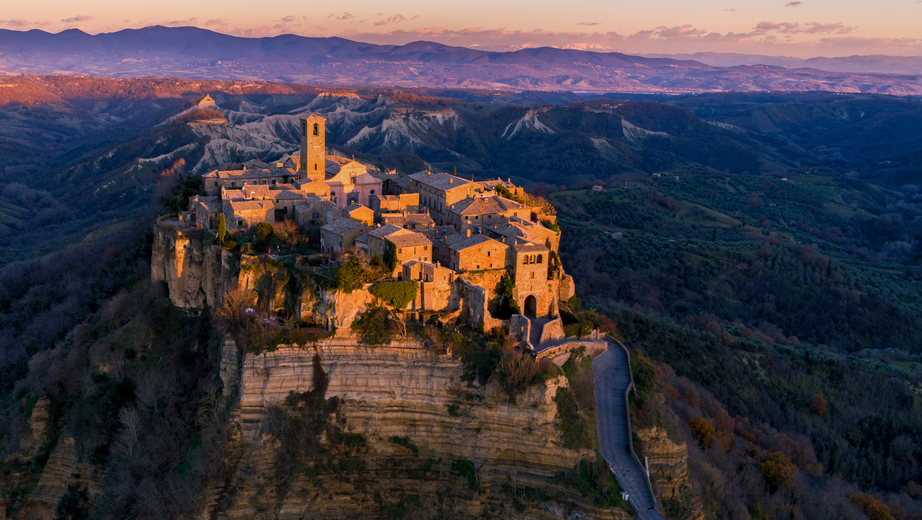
805, 28
214, 21
17, 22
397, 18
181, 23
78, 18
793, 4
588, 23
732, 10
345, 16
290, 18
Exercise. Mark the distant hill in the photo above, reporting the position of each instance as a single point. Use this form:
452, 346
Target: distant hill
874, 64
191, 52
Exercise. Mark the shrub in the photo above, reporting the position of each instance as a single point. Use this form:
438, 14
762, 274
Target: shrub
375, 327
574, 303
872, 507
406, 443
551, 225
467, 469
703, 430
516, 372
778, 471
222, 228
390, 256
349, 275
818, 405
396, 294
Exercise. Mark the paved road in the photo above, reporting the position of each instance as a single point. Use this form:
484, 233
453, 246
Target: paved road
612, 377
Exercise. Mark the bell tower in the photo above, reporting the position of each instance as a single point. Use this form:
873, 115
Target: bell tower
313, 149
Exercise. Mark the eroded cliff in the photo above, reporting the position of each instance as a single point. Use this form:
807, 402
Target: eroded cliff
418, 440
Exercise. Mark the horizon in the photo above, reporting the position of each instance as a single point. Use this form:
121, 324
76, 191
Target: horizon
679, 55
797, 29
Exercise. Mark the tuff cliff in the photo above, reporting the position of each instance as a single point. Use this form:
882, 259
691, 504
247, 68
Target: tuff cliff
197, 273
63, 473
423, 442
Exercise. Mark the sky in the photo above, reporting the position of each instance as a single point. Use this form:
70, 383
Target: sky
805, 28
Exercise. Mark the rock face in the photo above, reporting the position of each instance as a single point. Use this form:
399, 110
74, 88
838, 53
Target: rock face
668, 461
404, 392
62, 471
197, 274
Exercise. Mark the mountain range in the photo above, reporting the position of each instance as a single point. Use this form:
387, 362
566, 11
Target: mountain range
190, 52
872, 64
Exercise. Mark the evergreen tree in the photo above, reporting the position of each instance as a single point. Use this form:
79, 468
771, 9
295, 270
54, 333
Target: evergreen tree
222, 228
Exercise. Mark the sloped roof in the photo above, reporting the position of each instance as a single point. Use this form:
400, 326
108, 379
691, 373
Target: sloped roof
211, 204
343, 226
407, 238
383, 231
440, 181
250, 205
485, 206
460, 242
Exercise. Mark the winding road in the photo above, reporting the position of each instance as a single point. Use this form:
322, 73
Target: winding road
612, 376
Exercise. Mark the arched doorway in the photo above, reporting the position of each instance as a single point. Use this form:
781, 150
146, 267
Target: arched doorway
531, 307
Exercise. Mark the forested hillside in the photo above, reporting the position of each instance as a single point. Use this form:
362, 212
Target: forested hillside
763, 251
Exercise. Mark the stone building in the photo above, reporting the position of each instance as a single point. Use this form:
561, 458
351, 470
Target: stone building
478, 213
408, 245
339, 236
473, 253
457, 237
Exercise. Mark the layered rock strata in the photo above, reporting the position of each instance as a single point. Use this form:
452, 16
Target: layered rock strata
405, 392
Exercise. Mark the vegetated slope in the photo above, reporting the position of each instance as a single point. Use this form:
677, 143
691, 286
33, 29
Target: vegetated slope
766, 292
879, 137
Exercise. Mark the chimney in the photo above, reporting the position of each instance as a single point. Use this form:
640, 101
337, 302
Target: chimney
451, 181
468, 232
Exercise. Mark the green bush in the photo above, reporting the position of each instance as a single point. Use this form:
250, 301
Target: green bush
406, 443
467, 469
349, 275
222, 228
396, 294
390, 256
375, 327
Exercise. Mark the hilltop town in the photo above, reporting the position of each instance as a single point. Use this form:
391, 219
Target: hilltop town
483, 253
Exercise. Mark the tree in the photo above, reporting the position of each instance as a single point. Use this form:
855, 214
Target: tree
818, 405
872, 507
390, 255
396, 296
222, 228
703, 430
516, 371
778, 471
349, 275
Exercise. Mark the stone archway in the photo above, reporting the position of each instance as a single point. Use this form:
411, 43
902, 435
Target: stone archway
531, 307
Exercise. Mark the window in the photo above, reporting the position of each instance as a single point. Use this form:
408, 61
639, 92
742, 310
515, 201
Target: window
532, 274
540, 258
372, 192
488, 253
316, 129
